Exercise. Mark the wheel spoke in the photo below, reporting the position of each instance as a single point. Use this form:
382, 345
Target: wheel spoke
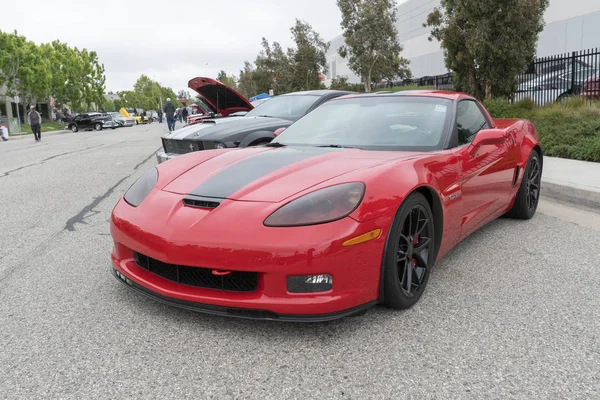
421, 261
401, 256
423, 243
409, 272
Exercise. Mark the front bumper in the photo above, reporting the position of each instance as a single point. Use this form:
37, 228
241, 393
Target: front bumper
244, 313
192, 237
161, 156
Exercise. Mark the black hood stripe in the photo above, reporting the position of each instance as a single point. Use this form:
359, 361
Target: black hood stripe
249, 169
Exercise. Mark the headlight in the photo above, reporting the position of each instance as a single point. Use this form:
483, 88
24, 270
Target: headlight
220, 146
324, 205
141, 188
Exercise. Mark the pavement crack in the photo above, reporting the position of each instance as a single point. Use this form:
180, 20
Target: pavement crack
7, 173
146, 159
89, 211
79, 218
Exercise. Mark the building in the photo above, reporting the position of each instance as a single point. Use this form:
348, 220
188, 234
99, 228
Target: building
571, 25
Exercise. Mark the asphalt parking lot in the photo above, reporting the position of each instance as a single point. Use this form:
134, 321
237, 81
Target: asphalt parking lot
513, 312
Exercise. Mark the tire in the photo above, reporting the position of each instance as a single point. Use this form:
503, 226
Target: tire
409, 254
98, 127
74, 128
528, 196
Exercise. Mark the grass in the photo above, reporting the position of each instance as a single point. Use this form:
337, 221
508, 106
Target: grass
46, 127
567, 129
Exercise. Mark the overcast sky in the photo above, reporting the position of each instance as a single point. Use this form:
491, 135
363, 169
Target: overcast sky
170, 41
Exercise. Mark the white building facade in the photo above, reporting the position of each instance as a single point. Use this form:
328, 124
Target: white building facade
571, 25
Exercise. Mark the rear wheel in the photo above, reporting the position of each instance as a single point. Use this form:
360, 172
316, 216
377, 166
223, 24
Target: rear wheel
410, 253
98, 126
528, 196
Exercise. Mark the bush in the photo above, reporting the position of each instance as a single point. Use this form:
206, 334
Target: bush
567, 129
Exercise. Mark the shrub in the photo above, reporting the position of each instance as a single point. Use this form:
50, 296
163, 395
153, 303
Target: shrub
567, 129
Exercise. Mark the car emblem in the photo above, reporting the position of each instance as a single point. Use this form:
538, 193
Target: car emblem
191, 147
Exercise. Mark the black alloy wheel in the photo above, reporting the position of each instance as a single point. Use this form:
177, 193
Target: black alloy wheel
410, 253
533, 184
528, 196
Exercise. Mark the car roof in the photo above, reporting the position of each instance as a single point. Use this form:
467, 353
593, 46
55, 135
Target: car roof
321, 92
445, 94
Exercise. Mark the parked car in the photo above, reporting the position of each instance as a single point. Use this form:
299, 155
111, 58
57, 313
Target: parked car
256, 127
218, 99
121, 120
89, 121
556, 85
351, 206
591, 88
135, 113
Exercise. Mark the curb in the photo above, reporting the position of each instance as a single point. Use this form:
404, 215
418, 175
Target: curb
579, 196
30, 135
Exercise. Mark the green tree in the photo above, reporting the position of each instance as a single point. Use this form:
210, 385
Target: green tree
309, 58
371, 40
487, 43
108, 106
246, 85
274, 69
227, 80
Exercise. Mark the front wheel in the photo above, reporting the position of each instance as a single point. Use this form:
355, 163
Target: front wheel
410, 253
74, 128
528, 196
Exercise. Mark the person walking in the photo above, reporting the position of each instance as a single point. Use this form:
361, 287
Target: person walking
35, 120
159, 116
169, 110
184, 114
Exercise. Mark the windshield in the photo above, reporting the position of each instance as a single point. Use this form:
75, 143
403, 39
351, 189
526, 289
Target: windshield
288, 107
116, 114
374, 123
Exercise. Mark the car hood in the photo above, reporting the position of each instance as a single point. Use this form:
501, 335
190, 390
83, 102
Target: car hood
265, 174
218, 128
220, 97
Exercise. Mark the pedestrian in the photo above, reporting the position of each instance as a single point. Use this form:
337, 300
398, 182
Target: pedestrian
35, 120
184, 114
159, 116
169, 110
4, 133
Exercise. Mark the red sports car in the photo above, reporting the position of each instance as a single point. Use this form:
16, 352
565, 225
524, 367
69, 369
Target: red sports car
349, 207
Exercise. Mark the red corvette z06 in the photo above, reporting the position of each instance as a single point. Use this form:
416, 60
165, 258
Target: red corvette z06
350, 206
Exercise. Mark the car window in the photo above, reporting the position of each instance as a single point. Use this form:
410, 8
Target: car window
78, 118
374, 123
469, 121
286, 106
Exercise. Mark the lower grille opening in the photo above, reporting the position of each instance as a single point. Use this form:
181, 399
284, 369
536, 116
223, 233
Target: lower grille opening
234, 281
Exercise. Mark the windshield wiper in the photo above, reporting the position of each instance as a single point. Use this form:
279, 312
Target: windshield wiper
275, 144
336, 146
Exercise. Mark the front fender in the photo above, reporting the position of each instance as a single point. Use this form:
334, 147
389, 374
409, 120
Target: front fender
267, 136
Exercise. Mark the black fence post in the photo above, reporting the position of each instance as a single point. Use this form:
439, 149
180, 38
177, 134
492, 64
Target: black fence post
574, 55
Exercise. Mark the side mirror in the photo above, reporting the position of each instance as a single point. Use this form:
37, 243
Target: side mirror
278, 132
488, 137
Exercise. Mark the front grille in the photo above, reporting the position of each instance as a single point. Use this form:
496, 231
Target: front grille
182, 146
236, 281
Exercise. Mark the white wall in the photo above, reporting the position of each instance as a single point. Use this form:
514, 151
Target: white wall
571, 25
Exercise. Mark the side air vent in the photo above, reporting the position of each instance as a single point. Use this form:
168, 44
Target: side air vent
200, 203
516, 177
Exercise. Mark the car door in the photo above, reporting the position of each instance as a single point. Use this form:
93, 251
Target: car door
84, 122
486, 175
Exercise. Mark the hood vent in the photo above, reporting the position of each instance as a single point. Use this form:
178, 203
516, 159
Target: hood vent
199, 202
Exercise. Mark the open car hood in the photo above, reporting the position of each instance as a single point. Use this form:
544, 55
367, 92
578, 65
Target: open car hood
221, 98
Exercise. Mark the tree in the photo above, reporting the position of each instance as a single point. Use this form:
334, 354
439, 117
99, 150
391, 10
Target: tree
371, 40
487, 43
226, 79
309, 59
246, 85
183, 94
274, 69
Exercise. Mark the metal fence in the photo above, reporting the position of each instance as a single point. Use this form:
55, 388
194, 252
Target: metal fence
550, 79
546, 80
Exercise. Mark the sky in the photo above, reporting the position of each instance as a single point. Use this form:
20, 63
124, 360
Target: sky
171, 42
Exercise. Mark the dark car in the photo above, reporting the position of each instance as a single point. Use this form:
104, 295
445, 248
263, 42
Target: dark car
89, 121
257, 127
